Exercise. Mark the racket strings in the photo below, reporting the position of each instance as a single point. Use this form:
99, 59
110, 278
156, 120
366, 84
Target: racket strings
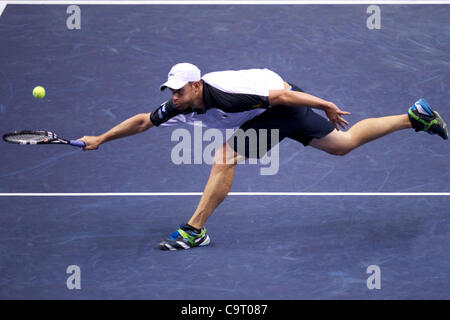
28, 138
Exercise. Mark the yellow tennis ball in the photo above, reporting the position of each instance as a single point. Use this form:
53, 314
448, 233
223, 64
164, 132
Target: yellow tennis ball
39, 92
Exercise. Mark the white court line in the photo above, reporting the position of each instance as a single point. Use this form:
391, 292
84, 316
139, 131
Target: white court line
2, 7
162, 194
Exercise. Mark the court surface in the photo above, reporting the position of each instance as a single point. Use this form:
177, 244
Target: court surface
263, 247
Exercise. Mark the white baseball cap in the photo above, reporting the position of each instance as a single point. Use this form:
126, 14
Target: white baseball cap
180, 74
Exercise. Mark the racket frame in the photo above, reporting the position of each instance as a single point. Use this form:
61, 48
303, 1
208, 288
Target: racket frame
50, 138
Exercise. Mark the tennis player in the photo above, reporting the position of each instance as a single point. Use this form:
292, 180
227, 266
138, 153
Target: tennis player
256, 99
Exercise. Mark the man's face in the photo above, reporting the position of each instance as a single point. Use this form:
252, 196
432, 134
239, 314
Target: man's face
183, 98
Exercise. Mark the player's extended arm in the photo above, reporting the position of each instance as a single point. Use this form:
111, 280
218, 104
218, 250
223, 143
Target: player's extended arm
297, 98
136, 124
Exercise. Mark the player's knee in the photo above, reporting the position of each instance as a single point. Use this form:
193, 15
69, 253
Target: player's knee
337, 143
344, 146
225, 158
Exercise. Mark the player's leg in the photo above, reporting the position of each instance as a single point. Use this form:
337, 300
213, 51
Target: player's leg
419, 116
193, 234
342, 142
218, 185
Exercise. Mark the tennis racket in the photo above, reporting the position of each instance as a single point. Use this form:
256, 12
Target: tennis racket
39, 137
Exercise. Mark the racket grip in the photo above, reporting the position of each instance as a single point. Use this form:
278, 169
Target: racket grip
77, 143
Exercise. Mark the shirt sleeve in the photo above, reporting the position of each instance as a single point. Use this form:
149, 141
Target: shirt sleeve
163, 113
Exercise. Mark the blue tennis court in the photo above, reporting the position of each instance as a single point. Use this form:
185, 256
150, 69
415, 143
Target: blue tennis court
264, 246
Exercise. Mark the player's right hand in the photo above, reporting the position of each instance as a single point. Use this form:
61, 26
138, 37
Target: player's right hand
92, 142
335, 114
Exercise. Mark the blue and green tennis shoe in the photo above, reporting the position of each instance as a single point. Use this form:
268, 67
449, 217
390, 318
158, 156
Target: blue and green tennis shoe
424, 119
185, 237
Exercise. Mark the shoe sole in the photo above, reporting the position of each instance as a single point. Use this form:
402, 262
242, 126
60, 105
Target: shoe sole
168, 247
442, 124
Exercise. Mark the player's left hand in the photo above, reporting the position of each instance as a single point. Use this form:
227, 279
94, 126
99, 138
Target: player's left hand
335, 114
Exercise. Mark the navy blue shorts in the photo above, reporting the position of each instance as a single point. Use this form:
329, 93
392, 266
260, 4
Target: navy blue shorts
298, 123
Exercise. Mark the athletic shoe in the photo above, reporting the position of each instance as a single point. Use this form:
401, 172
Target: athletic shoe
424, 119
185, 238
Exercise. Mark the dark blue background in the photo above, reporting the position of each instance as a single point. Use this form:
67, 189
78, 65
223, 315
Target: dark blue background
263, 247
